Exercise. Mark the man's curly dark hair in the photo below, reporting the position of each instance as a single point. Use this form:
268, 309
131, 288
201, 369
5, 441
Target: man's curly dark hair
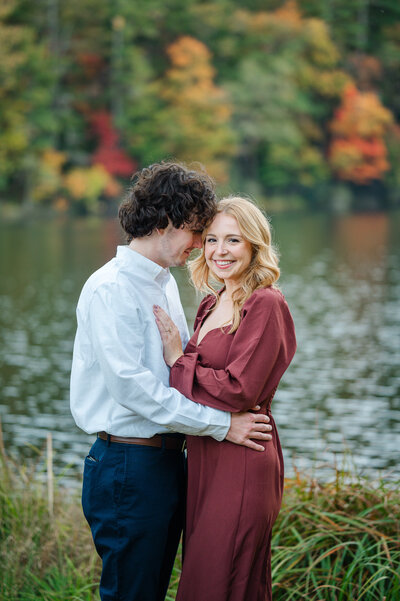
167, 192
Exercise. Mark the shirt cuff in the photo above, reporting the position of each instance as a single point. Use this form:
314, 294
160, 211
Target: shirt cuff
222, 431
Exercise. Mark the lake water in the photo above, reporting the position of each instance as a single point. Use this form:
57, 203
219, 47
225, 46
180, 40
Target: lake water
340, 399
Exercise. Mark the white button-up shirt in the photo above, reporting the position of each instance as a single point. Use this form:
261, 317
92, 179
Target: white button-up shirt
119, 379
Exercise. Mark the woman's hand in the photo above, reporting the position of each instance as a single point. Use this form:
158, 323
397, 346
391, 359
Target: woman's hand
170, 336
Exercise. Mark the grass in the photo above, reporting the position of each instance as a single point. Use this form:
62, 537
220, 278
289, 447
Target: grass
333, 541
46, 552
337, 541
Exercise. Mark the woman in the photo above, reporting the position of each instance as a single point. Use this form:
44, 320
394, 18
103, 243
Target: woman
242, 344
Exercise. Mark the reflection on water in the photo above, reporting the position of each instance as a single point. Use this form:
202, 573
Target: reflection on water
340, 276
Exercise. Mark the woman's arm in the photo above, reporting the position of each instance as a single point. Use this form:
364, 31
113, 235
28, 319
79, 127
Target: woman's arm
261, 351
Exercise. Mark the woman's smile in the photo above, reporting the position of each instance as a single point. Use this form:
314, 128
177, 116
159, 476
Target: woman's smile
223, 263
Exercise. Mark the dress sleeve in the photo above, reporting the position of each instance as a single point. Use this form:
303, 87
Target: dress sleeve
205, 304
262, 349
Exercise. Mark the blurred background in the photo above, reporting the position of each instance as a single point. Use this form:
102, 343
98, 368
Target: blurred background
296, 104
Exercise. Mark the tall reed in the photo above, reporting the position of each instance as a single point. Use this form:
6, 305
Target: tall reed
337, 541
46, 551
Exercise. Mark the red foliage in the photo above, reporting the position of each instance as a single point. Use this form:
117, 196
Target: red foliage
91, 63
114, 159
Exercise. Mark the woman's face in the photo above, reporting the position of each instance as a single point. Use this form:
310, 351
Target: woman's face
226, 251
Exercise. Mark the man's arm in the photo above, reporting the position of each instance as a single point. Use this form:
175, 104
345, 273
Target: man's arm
117, 337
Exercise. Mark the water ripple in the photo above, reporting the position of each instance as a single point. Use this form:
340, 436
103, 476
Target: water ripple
340, 399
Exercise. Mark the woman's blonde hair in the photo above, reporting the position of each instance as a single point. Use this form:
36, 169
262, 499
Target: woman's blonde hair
263, 270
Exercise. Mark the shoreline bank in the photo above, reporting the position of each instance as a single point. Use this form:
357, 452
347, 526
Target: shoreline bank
337, 540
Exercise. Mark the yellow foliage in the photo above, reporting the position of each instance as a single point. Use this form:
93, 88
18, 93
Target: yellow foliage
196, 121
331, 83
345, 156
53, 159
118, 23
322, 50
6, 8
48, 174
86, 183
15, 139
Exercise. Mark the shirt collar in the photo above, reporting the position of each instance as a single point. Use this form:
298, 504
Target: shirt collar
137, 262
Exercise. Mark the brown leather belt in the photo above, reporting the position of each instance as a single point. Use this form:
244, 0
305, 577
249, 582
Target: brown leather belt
166, 441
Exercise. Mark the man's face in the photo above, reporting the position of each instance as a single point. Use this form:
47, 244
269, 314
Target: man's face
176, 244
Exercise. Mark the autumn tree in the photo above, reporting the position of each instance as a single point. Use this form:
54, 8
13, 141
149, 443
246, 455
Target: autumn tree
358, 152
108, 152
248, 88
195, 121
286, 85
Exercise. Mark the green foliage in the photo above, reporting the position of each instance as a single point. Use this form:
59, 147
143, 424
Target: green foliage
289, 66
253, 102
26, 120
337, 541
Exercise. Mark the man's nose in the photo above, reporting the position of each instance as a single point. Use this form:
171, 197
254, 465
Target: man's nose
197, 241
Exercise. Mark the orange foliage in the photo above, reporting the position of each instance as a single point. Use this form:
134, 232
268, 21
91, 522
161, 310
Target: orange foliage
289, 12
361, 113
287, 17
113, 188
60, 204
187, 52
358, 151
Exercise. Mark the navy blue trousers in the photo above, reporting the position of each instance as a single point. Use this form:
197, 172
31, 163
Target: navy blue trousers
133, 500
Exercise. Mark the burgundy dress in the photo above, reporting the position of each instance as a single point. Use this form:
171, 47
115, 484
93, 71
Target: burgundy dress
234, 493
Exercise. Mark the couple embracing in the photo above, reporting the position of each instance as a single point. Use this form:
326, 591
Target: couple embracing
144, 387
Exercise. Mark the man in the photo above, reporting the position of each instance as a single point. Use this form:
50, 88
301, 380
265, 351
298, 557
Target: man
133, 485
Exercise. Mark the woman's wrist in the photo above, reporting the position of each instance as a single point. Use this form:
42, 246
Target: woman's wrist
175, 358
